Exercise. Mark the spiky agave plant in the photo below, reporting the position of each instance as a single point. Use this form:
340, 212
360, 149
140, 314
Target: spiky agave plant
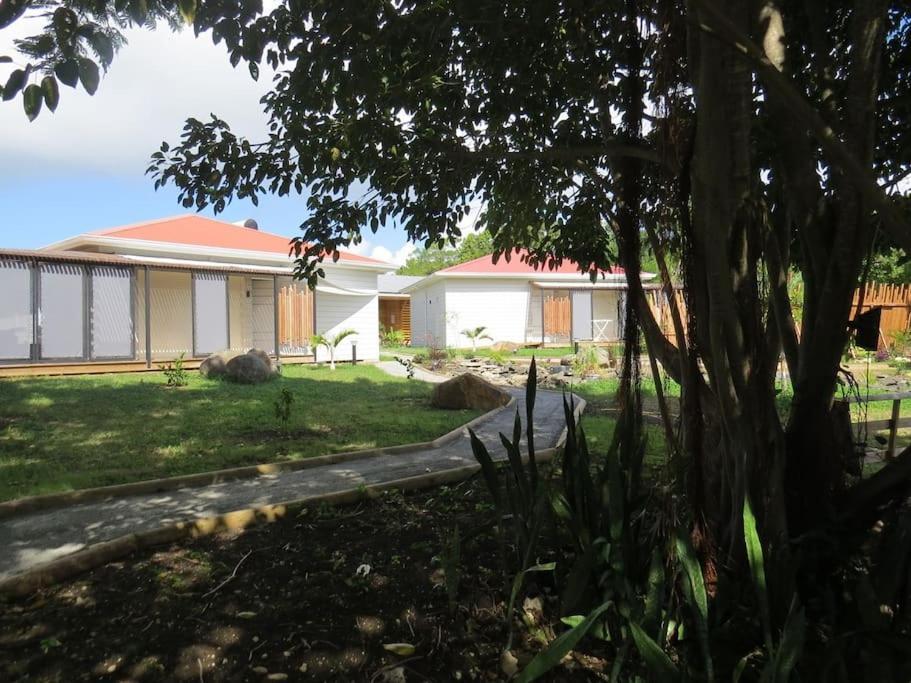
331, 343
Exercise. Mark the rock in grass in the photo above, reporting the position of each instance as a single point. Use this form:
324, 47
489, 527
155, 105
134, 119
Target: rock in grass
247, 369
468, 391
265, 358
214, 366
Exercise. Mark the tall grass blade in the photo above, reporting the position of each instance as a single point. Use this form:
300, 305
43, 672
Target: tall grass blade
554, 653
661, 666
699, 597
488, 469
531, 391
757, 569
788, 652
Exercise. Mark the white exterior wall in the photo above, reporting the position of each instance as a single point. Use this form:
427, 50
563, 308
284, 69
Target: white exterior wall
604, 308
502, 306
337, 312
428, 311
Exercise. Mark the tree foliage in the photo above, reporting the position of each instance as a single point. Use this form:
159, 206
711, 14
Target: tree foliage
743, 138
431, 259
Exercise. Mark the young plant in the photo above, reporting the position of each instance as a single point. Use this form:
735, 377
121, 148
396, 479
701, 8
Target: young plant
331, 343
390, 337
450, 559
586, 361
175, 373
282, 407
475, 334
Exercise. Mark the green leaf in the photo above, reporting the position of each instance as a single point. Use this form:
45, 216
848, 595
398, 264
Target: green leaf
790, 648
88, 75
68, 72
757, 568
14, 84
254, 70
488, 469
51, 92
103, 46
31, 101
187, 10
554, 653
697, 593
138, 11
655, 658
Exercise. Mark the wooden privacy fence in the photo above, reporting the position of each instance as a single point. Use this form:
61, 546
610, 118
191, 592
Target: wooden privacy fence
395, 314
295, 319
895, 300
557, 316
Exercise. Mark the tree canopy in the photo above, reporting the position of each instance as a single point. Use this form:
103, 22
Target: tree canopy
744, 138
431, 259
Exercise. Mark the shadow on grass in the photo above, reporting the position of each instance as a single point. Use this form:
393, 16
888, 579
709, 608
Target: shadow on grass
75, 432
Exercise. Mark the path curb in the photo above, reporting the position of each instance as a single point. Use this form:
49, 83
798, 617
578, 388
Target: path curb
20, 506
96, 555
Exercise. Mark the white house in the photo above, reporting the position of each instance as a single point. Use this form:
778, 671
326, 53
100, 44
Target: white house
517, 303
128, 297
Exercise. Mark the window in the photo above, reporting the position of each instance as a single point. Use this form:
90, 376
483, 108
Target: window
15, 311
112, 319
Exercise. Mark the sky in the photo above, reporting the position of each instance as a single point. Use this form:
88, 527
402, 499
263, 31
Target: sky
83, 167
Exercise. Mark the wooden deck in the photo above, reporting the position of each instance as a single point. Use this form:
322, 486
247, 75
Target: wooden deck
105, 367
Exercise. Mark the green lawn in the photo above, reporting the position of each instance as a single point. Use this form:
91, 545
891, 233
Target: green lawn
60, 434
555, 352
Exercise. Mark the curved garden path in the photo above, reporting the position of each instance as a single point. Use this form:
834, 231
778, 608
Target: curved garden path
31, 539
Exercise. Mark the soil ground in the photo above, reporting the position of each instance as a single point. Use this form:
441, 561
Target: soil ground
294, 600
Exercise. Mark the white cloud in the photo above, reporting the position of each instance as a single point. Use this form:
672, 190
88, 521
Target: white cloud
155, 82
398, 257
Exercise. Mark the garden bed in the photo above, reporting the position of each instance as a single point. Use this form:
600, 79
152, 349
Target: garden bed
314, 597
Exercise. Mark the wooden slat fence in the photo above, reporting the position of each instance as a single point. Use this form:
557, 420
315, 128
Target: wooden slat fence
295, 318
895, 301
395, 314
557, 316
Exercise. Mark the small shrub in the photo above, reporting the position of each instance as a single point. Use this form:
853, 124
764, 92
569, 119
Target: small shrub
175, 373
282, 407
585, 361
390, 337
498, 358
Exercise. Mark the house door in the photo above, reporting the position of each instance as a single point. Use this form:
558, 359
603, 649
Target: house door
263, 315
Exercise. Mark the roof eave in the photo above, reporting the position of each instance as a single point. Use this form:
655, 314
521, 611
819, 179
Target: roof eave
129, 244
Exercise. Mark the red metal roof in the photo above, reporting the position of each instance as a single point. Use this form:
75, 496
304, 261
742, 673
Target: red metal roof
201, 231
485, 266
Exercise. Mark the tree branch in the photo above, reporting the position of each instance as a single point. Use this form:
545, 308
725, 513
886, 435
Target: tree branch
608, 149
835, 149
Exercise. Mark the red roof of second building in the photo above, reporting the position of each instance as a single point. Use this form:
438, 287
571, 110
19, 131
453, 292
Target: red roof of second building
485, 266
200, 231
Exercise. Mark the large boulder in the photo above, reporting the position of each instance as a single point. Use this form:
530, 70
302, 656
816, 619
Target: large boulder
468, 391
264, 357
248, 368
214, 366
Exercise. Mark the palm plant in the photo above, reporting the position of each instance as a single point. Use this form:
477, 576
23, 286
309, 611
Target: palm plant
331, 343
475, 334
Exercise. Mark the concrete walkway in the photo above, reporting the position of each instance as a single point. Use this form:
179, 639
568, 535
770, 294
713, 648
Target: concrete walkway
34, 538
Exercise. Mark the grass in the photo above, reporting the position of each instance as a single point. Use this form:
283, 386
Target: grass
484, 352
61, 434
